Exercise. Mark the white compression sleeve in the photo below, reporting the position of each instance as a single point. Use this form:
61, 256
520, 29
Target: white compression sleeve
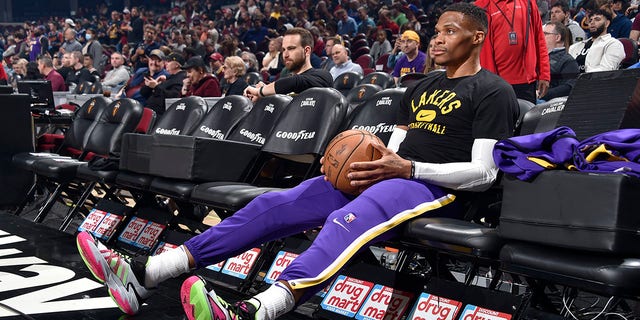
397, 136
477, 175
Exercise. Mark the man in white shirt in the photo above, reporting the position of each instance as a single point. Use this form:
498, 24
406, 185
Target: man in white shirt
601, 52
342, 62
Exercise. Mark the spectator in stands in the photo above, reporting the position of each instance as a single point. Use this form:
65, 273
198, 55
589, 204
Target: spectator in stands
155, 91
140, 57
564, 68
381, 46
395, 189
413, 59
55, 38
136, 29
560, 13
397, 15
385, 22
78, 73
70, 43
366, 23
45, 66
113, 31
198, 81
118, 76
216, 60
234, 71
524, 65
601, 52
328, 49
256, 32
430, 63
39, 43
342, 62
620, 26
346, 24
250, 61
94, 49
272, 63
154, 70
33, 73
66, 66
297, 49
87, 62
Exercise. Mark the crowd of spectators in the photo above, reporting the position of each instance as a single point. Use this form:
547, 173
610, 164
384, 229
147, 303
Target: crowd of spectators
129, 50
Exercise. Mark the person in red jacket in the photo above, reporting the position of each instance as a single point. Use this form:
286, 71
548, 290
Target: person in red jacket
516, 49
199, 82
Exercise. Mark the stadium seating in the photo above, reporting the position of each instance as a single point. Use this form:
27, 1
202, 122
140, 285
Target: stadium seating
360, 94
346, 81
383, 79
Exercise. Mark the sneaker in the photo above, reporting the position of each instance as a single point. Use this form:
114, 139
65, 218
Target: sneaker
121, 276
200, 302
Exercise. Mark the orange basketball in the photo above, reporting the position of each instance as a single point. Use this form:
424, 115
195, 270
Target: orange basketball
347, 147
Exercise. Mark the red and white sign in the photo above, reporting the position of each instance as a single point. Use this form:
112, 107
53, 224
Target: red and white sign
432, 307
216, 267
346, 295
240, 265
164, 246
149, 235
472, 312
385, 303
283, 260
133, 230
92, 220
108, 226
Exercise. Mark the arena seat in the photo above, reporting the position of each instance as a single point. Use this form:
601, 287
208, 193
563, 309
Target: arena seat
360, 94
408, 78
121, 116
83, 87
346, 81
365, 61
95, 88
252, 78
300, 136
383, 79
378, 114
381, 63
630, 52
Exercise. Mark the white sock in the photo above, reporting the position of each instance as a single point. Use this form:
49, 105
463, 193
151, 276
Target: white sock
166, 265
273, 302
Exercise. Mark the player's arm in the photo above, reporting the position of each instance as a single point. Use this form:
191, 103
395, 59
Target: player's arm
397, 136
475, 175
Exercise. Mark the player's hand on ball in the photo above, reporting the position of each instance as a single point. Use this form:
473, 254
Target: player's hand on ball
391, 165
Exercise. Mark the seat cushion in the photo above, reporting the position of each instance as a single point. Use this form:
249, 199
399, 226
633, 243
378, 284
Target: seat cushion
180, 189
599, 273
134, 180
453, 234
85, 173
25, 160
57, 169
227, 195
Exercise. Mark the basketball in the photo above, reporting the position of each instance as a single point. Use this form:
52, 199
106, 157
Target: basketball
345, 148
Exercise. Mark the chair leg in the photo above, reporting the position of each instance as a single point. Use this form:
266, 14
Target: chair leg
44, 210
30, 194
79, 204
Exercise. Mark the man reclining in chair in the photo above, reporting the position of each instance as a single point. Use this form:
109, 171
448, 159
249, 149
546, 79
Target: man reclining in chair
447, 127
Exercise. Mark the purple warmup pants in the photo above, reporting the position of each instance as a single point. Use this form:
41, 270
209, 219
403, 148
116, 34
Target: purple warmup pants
348, 225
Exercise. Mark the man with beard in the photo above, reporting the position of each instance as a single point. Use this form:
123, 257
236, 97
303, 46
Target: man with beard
140, 57
601, 52
297, 46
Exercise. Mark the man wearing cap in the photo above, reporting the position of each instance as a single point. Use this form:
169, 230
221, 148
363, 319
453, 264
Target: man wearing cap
117, 76
216, 60
413, 59
157, 90
199, 82
297, 46
154, 70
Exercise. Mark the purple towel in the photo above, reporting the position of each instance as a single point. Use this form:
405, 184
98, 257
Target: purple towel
614, 151
526, 156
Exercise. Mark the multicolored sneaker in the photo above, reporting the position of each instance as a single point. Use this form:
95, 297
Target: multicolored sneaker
200, 302
121, 276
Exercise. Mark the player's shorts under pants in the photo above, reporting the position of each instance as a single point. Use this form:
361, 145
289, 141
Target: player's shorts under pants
348, 224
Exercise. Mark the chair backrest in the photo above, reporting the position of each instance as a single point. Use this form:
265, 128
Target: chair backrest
360, 51
408, 78
365, 61
85, 120
378, 114
147, 121
346, 81
359, 43
360, 94
381, 63
542, 117
252, 78
82, 87
383, 79
95, 88
121, 116
630, 52
306, 125
182, 117
258, 124
523, 107
223, 116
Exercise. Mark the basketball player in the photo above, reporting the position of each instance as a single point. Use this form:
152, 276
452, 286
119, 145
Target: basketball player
443, 143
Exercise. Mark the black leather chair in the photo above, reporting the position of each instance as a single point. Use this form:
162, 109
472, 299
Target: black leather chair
252, 78
360, 94
120, 117
82, 87
346, 81
408, 78
378, 114
300, 136
96, 88
383, 79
